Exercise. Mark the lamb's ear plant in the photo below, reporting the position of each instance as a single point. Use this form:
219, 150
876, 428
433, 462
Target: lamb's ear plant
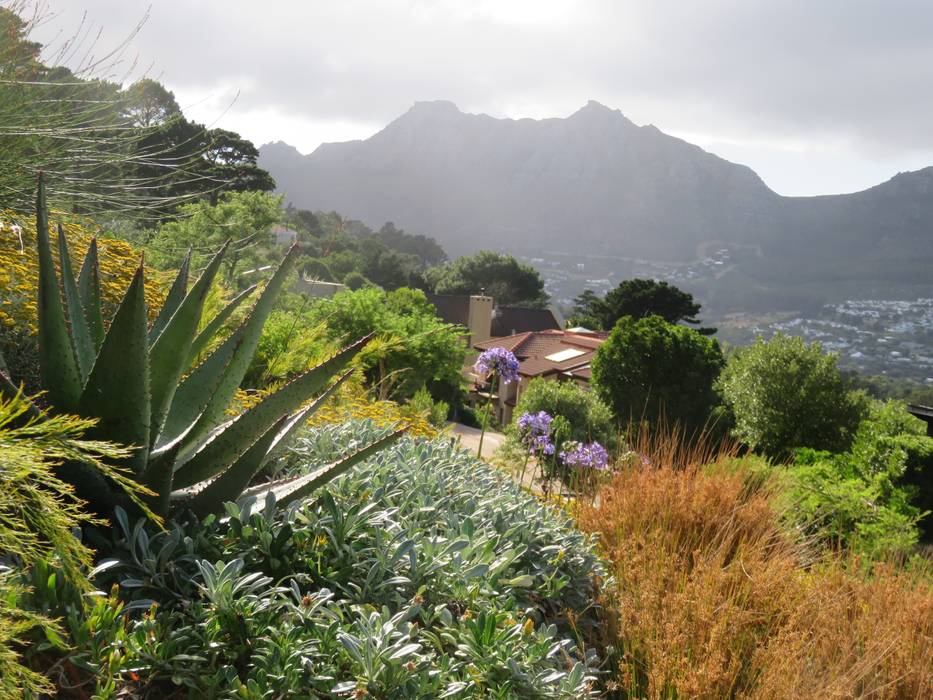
139, 384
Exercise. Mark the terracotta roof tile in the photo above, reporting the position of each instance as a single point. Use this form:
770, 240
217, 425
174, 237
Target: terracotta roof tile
532, 350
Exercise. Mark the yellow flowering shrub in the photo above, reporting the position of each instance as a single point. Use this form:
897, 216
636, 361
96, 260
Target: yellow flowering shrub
351, 402
19, 268
382, 413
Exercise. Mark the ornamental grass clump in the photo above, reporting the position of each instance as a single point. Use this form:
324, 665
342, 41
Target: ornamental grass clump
497, 366
715, 596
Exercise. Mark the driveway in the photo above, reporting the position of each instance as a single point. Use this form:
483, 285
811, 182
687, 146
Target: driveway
469, 439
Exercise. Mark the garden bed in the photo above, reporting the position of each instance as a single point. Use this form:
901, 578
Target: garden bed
423, 573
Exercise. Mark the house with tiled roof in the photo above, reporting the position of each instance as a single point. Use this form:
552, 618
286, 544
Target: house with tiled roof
484, 319
556, 355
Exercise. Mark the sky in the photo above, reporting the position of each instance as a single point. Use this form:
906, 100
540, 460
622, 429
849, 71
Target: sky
817, 96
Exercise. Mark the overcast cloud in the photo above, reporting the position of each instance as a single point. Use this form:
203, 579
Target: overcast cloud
817, 96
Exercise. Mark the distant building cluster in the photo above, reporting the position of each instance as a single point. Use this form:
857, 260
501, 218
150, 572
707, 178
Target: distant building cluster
873, 336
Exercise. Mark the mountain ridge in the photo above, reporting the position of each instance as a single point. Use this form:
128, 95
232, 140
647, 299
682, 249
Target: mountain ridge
596, 181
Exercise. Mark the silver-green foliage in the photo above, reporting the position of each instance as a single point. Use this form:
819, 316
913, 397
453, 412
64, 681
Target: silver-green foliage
140, 385
423, 573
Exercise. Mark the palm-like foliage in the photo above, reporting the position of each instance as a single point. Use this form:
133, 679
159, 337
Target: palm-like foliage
139, 383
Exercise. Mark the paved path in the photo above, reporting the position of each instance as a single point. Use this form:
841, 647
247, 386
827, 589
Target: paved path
469, 438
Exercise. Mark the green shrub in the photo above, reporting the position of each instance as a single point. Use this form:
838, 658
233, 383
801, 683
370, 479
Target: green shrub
413, 347
289, 345
354, 281
422, 573
653, 370
589, 418
785, 394
850, 504
866, 499
435, 411
889, 434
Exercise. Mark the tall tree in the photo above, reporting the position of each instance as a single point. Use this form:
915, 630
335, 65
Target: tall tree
148, 103
500, 276
584, 311
639, 298
231, 161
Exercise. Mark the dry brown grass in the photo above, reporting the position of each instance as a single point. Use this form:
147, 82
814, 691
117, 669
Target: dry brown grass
713, 598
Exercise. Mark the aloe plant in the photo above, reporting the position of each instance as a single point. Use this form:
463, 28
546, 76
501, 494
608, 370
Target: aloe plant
140, 385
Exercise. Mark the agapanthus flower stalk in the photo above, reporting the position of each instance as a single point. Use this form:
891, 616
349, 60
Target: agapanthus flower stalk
498, 366
589, 455
534, 430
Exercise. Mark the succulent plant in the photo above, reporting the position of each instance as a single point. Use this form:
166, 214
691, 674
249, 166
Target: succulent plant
142, 385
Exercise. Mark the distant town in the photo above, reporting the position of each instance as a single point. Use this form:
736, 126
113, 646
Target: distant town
872, 336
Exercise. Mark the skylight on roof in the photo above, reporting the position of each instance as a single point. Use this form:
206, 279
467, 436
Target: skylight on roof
564, 355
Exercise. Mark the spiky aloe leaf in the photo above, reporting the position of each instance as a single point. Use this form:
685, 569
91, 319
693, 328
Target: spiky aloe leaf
204, 395
194, 393
173, 299
289, 490
228, 444
117, 390
80, 333
231, 483
57, 363
89, 291
168, 356
216, 323
158, 478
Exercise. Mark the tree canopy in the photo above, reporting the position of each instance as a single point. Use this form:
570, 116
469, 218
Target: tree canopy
414, 348
244, 217
501, 276
637, 298
425, 248
785, 394
651, 369
356, 255
104, 149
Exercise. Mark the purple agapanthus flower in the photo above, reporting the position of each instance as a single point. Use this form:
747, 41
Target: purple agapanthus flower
534, 430
497, 361
590, 455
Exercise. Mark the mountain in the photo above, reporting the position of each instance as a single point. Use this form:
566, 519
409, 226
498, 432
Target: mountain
597, 182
